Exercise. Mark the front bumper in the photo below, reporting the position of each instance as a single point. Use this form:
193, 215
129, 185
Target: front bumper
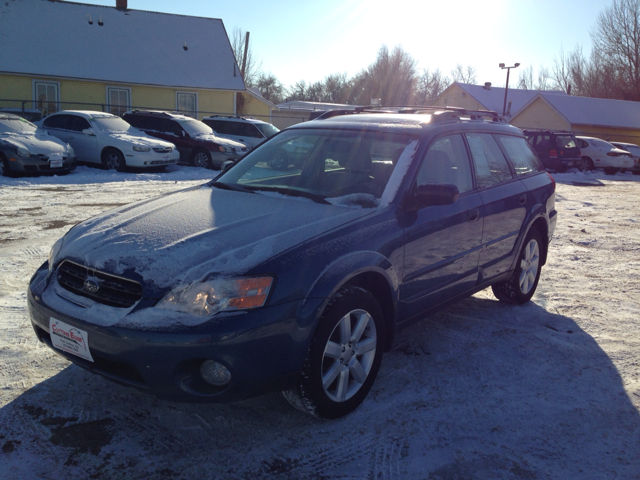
39, 165
152, 159
263, 349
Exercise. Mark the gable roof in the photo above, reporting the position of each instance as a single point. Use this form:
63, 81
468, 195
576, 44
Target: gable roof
493, 97
600, 112
54, 38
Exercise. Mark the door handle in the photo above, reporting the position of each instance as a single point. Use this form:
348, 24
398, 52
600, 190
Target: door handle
523, 199
473, 215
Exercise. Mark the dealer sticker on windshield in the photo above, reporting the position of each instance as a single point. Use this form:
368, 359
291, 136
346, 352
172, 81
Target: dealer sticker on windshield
69, 339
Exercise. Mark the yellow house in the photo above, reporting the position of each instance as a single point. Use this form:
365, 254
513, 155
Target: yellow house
611, 120
59, 55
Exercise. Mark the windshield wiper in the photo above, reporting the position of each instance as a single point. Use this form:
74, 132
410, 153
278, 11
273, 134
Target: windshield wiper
231, 186
293, 193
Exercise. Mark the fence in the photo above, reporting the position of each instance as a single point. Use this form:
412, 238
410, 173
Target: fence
36, 109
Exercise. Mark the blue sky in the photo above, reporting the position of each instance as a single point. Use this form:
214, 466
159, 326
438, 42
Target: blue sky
302, 40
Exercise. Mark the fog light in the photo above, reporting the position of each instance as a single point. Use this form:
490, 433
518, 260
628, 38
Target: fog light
215, 373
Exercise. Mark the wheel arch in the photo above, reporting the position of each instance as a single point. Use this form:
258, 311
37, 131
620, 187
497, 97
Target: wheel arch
106, 149
368, 270
541, 225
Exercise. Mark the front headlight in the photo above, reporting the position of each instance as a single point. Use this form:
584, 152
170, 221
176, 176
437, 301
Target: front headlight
70, 151
140, 148
23, 152
222, 148
54, 252
213, 296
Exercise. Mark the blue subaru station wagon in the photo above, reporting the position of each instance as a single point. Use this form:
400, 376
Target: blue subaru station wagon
294, 274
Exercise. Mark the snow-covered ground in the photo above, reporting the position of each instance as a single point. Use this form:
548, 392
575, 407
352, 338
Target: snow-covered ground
480, 390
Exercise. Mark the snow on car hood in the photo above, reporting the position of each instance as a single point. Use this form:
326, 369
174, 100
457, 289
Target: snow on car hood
136, 138
202, 231
40, 143
222, 141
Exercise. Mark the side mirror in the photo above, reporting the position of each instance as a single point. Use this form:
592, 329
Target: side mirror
226, 165
89, 131
433, 194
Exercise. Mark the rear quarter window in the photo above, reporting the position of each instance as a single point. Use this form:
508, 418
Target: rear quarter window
519, 153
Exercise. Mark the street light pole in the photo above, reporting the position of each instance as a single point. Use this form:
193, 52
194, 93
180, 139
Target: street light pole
502, 66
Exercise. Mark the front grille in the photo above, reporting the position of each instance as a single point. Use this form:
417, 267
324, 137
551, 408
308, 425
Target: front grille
161, 162
112, 290
162, 149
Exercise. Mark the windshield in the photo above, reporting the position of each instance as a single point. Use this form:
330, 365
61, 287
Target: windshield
195, 127
111, 124
566, 142
17, 125
267, 129
320, 164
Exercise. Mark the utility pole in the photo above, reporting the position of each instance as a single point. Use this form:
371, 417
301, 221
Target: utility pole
246, 49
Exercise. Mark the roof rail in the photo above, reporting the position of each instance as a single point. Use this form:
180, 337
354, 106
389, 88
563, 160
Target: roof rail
473, 114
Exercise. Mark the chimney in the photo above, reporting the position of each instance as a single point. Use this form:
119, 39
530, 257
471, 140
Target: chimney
121, 4
487, 85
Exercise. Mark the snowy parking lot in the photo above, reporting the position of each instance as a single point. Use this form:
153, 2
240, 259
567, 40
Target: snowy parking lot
480, 390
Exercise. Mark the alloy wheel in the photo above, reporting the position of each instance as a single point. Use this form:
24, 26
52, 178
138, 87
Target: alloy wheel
529, 266
349, 355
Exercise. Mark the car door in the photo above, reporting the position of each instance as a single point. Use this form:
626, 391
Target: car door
84, 144
504, 200
171, 131
442, 242
56, 125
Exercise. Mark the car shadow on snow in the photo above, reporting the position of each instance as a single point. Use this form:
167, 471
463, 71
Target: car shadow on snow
478, 390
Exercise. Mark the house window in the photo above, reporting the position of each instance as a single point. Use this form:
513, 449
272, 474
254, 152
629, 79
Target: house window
119, 100
187, 103
47, 97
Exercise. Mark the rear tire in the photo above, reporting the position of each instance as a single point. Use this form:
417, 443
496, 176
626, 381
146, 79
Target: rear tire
588, 164
344, 357
523, 282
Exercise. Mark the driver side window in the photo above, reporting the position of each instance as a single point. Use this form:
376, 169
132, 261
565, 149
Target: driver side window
446, 161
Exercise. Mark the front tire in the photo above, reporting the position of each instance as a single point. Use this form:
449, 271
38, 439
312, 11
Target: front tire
344, 357
5, 171
523, 282
611, 170
113, 159
588, 164
202, 158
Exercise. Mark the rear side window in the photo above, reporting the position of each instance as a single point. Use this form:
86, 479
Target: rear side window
57, 121
491, 167
522, 158
565, 142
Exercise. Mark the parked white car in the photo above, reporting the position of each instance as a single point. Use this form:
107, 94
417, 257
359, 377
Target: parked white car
634, 150
600, 154
106, 139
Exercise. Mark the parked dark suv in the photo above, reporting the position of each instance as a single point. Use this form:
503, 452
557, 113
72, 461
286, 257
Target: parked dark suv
296, 279
196, 142
558, 151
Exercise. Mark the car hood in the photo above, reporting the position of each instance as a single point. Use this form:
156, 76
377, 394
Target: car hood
136, 138
219, 140
39, 143
202, 231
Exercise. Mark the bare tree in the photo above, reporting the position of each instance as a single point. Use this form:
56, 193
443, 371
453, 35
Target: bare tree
464, 75
270, 87
616, 43
429, 85
525, 78
253, 66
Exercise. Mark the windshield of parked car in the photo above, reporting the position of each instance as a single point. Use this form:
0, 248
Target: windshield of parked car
111, 124
320, 164
16, 125
267, 129
565, 142
195, 127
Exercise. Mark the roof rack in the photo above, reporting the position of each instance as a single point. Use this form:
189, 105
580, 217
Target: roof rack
473, 114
